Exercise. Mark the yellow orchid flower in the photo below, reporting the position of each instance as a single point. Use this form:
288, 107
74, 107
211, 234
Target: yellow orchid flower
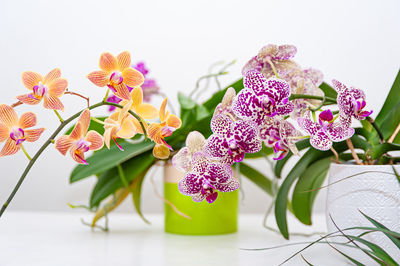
80, 140
50, 88
158, 131
116, 73
121, 124
144, 110
14, 131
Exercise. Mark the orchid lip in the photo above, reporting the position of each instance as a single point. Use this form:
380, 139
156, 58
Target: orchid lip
111, 88
118, 145
18, 135
116, 77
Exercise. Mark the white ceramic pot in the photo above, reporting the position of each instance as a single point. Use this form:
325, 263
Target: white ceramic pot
375, 191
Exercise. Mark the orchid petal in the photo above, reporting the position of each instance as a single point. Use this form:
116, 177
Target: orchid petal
63, 144
95, 139
230, 185
190, 184
212, 197
124, 60
52, 102
52, 75
127, 130
132, 77
174, 121
285, 52
195, 141
321, 141
28, 99
162, 113
58, 87
31, 79
339, 133
10, 148
246, 136
77, 155
246, 106
199, 163
338, 86
122, 91
32, 135
4, 132
154, 133
84, 118
146, 111
8, 116
182, 160
221, 125
198, 197
136, 96
27, 120
99, 78
252, 64
307, 125
108, 62
216, 146
218, 173
255, 81
285, 109
77, 132
161, 151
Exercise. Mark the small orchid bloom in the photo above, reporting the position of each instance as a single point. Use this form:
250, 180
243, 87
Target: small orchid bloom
279, 56
225, 107
117, 74
15, 131
231, 140
281, 135
48, 88
262, 98
183, 159
80, 140
325, 131
351, 102
144, 110
121, 124
206, 178
168, 124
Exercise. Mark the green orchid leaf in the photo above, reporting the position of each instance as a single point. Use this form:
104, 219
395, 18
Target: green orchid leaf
257, 178
380, 149
301, 145
136, 192
185, 101
218, 96
328, 90
109, 181
264, 152
392, 100
306, 189
105, 159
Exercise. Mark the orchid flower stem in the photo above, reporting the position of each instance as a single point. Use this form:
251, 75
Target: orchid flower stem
205, 77
79, 95
50, 140
353, 152
273, 68
336, 155
16, 104
26, 153
106, 96
377, 129
396, 131
59, 116
97, 120
314, 118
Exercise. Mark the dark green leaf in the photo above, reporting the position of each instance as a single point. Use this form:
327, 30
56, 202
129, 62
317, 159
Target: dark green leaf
201, 112
256, 177
301, 145
185, 102
306, 190
356, 262
390, 123
105, 159
264, 152
378, 150
328, 90
392, 100
109, 181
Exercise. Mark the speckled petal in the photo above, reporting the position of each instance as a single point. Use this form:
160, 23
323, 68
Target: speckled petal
200, 163
339, 86
218, 173
195, 142
285, 109
216, 146
246, 136
314, 75
321, 141
246, 106
255, 81
306, 124
231, 185
182, 161
221, 125
285, 52
198, 197
190, 184
277, 89
339, 133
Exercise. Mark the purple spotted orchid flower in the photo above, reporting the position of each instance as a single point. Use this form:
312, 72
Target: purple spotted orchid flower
351, 102
225, 107
326, 131
281, 135
183, 159
231, 140
262, 98
149, 87
279, 56
206, 178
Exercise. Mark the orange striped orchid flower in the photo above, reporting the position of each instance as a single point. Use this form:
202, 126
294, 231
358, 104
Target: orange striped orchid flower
116, 73
15, 131
80, 140
48, 88
158, 131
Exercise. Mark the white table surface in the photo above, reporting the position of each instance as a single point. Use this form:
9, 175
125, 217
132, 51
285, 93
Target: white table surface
57, 238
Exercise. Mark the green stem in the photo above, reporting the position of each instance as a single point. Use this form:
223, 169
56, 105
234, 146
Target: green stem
106, 96
97, 120
273, 68
50, 140
58, 115
26, 153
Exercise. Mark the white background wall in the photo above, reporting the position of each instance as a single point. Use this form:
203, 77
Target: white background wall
357, 42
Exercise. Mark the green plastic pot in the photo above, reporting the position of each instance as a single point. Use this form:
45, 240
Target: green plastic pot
219, 217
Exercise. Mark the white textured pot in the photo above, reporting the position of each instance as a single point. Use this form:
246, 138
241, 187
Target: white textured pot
375, 191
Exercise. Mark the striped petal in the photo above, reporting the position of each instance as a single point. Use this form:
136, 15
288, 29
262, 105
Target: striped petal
28, 99
137, 125
77, 132
52, 102
31, 79
63, 144
162, 114
84, 118
147, 111
108, 62
10, 148
124, 60
174, 121
127, 130
27, 119
8, 116
132, 77
77, 155
57, 87
161, 151
108, 134
154, 133
52, 75
99, 78
122, 91
137, 96
95, 139
32, 135
4, 132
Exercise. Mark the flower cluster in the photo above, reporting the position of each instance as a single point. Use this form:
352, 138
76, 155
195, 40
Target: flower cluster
261, 113
130, 117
